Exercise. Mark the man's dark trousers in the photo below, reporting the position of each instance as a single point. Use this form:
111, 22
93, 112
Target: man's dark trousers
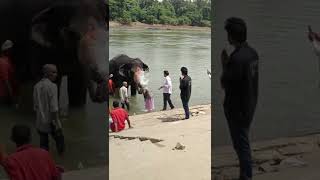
185, 105
123, 104
57, 136
166, 99
239, 126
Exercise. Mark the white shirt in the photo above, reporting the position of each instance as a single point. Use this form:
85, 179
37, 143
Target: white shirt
167, 85
45, 101
123, 93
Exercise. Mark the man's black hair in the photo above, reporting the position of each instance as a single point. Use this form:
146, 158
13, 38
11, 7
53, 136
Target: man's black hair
115, 104
166, 72
184, 71
21, 134
236, 28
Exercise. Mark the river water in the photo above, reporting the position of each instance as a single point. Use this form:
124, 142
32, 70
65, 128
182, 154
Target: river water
289, 97
167, 50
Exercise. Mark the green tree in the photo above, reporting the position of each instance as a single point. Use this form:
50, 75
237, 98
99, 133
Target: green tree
174, 12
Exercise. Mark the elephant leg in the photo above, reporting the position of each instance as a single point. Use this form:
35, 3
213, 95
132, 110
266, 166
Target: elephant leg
58, 82
77, 90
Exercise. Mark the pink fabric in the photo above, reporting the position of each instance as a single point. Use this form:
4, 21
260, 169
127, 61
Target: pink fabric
149, 104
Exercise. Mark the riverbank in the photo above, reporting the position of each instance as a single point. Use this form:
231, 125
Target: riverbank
162, 147
138, 25
295, 158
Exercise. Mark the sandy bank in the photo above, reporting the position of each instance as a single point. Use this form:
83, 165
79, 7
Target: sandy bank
138, 25
148, 151
295, 158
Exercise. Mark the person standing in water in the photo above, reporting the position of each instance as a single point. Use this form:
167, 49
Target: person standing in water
167, 90
148, 100
46, 105
111, 85
124, 95
8, 82
185, 87
240, 83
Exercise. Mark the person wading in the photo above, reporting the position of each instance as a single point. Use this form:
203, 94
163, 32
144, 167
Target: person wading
167, 91
111, 86
8, 82
124, 95
28, 162
240, 83
45, 99
185, 87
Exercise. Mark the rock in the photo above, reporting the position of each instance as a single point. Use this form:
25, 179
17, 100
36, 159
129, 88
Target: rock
266, 167
179, 146
261, 157
293, 162
298, 149
290, 150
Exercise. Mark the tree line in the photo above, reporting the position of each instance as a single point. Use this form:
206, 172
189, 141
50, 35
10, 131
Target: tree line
167, 12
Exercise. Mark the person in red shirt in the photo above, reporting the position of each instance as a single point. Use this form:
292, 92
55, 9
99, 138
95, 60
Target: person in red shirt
28, 162
119, 116
111, 85
8, 83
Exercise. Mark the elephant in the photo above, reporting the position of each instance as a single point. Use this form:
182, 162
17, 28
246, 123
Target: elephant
125, 68
72, 34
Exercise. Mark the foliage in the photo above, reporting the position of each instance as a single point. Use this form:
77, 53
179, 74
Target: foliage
171, 12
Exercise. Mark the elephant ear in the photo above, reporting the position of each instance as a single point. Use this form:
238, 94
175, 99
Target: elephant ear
124, 69
39, 28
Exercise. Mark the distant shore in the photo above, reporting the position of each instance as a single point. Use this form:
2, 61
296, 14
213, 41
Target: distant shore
138, 25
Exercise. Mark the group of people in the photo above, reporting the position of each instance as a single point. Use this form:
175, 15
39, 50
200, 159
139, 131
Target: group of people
27, 159
118, 115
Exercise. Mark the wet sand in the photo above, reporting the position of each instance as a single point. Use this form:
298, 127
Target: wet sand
150, 150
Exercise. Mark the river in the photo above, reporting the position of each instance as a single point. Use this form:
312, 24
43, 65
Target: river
167, 50
289, 96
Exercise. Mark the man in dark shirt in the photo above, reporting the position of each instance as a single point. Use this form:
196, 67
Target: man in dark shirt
28, 162
185, 87
240, 83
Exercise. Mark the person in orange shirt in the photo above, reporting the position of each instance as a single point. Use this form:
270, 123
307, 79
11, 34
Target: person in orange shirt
111, 85
118, 118
8, 82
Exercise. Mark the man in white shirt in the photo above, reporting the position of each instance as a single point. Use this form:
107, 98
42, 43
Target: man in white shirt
46, 105
124, 95
167, 91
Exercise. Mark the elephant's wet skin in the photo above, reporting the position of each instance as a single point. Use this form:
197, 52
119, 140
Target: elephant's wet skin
50, 32
125, 68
